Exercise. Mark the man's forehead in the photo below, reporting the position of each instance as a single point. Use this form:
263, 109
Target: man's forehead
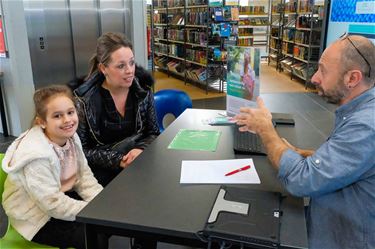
332, 53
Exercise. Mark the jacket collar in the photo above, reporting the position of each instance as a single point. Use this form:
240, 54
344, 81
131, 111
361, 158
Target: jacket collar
98, 78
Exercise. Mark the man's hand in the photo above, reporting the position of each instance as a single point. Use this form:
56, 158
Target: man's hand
254, 119
129, 158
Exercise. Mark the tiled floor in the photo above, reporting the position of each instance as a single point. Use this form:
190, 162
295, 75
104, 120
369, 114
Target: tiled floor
271, 82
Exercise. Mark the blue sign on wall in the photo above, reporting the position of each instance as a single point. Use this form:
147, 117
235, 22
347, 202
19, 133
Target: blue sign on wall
353, 11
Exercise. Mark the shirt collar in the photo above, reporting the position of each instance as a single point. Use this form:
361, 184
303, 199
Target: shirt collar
351, 106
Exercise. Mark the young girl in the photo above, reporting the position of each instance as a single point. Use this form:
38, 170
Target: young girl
49, 180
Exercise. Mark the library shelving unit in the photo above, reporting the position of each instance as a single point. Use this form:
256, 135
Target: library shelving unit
190, 37
288, 35
301, 30
307, 40
182, 44
254, 25
275, 37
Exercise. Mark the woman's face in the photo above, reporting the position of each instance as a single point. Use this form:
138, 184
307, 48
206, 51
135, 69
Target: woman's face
119, 72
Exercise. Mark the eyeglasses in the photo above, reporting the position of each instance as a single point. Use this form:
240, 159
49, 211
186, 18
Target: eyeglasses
346, 36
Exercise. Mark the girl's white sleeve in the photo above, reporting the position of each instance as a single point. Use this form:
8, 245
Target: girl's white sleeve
43, 186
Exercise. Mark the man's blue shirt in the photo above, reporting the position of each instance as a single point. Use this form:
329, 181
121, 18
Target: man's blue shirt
340, 179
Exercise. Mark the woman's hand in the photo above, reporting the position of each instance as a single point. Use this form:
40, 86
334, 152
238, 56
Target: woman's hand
129, 158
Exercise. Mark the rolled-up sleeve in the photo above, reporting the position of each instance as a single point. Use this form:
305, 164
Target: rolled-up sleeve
339, 162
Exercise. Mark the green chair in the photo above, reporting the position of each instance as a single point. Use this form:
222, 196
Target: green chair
12, 239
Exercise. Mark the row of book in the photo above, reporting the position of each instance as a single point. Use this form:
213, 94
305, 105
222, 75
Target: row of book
288, 34
287, 48
161, 48
160, 32
192, 35
301, 69
291, 6
245, 31
197, 37
254, 21
308, 22
305, 5
252, 10
245, 41
304, 37
196, 17
160, 18
176, 34
192, 71
275, 44
196, 55
196, 2
177, 19
302, 52
274, 32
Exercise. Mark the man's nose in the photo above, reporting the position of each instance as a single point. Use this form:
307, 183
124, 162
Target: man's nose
315, 79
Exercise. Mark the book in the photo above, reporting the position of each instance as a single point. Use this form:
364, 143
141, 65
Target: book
235, 13
218, 14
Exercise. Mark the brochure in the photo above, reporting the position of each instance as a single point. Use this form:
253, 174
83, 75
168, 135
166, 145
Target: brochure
243, 84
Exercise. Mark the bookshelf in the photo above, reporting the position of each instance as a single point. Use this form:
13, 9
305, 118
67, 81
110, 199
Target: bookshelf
275, 37
253, 25
300, 40
190, 37
182, 44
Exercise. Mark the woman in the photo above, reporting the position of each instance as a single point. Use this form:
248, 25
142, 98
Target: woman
117, 113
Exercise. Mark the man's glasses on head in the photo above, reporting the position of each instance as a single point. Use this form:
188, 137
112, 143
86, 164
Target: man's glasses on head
346, 36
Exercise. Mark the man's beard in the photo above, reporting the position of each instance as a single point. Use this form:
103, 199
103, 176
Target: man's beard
336, 94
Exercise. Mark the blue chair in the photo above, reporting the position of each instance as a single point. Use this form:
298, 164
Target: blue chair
170, 102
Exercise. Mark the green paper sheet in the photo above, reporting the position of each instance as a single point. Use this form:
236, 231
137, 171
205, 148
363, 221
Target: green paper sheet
201, 140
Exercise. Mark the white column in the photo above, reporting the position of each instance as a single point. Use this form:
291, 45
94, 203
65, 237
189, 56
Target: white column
18, 78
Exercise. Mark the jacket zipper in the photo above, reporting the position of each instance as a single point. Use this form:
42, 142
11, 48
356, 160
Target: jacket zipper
88, 123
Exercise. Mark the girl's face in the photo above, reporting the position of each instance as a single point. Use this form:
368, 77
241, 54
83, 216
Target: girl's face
61, 119
119, 73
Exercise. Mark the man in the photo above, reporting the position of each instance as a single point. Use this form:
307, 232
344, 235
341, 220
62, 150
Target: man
340, 175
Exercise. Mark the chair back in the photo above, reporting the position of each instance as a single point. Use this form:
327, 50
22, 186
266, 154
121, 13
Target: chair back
170, 101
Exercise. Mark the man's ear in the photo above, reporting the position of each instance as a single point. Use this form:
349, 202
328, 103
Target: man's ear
353, 78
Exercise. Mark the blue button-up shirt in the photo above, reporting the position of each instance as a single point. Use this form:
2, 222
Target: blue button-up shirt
340, 179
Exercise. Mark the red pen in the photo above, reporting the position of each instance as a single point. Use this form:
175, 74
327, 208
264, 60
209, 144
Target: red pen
238, 170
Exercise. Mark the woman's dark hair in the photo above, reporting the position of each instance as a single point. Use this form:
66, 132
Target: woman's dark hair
43, 95
105, 46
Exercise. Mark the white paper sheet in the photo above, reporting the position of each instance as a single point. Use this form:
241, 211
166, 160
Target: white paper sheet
213, 172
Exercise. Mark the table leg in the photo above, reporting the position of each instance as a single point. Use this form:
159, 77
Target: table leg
91, 237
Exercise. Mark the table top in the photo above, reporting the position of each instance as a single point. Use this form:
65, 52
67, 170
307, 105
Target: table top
148, 196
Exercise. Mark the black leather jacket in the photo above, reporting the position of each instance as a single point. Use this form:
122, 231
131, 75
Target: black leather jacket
89, 105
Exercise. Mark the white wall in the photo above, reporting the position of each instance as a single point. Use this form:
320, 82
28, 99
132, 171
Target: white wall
139, 33
18, 85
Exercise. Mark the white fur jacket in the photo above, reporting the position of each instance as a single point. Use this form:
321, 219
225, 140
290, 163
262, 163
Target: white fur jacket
32, 189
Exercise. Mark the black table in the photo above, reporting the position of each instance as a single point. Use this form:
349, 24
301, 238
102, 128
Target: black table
147, 200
